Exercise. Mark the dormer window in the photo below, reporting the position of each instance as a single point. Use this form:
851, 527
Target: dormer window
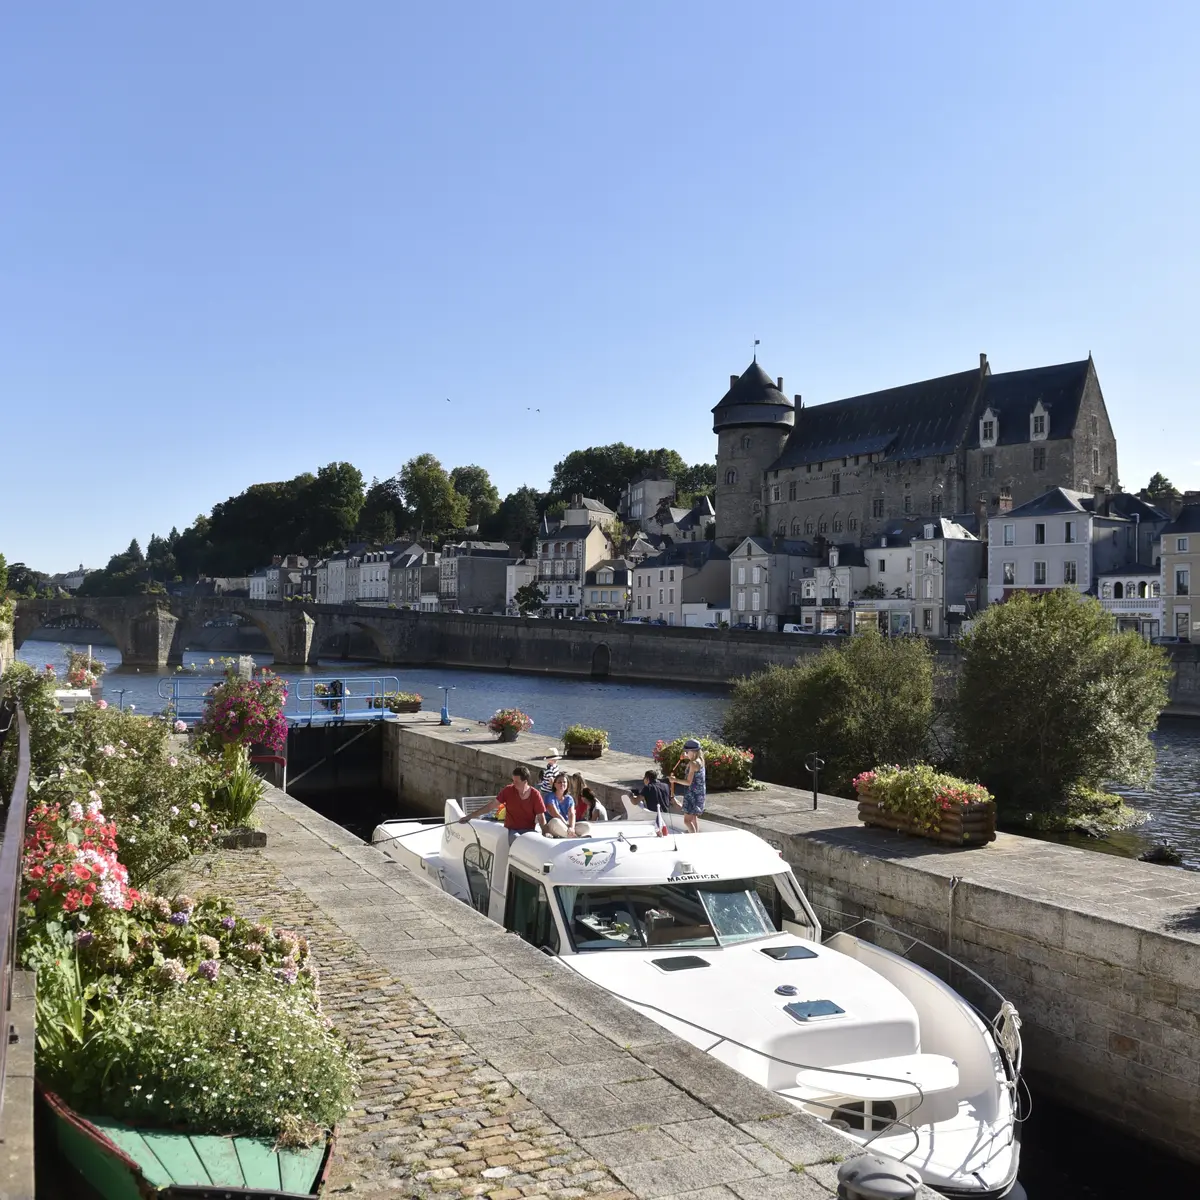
1039, 423
988, 425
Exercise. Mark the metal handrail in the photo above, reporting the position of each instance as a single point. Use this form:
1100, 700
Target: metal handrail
10, 884
350, 695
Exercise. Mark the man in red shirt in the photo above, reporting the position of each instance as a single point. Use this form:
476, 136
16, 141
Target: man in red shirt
524, 808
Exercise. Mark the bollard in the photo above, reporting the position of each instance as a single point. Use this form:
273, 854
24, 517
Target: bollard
873, 1177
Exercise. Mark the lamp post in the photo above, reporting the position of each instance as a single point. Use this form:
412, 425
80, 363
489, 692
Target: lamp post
814, 763
445, 690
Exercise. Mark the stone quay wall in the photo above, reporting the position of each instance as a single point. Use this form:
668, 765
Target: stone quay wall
1101, 955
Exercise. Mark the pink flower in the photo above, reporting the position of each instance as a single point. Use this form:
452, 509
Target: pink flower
101, 703
108, 751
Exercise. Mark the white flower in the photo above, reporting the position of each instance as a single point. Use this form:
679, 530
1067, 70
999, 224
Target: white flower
108, 751
173, 810
195, 807
172, 761
75, 810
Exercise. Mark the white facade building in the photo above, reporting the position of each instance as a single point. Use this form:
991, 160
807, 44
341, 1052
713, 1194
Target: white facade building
517, 575
373, 578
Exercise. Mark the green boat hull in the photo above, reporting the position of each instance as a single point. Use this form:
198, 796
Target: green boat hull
125, 1163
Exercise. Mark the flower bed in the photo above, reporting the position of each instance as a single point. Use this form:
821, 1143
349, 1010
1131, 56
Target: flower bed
510, 723
926, 803
397, 702
726, 768
581, 741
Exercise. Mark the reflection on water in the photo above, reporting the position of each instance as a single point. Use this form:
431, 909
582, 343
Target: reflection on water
637, 714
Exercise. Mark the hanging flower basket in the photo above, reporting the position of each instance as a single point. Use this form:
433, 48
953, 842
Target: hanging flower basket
922, 802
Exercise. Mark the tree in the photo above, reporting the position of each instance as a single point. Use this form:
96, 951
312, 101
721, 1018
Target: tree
434, 507
331, 503
529, 598
858, 705
160, 556
382, 515
475, 486
3, 576
1162, 492
516, 520
601, 472
1051, 699
24, 581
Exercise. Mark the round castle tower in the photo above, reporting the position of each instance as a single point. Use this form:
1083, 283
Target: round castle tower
752, 422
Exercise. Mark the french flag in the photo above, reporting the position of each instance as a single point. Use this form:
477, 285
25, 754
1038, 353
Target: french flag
660, 824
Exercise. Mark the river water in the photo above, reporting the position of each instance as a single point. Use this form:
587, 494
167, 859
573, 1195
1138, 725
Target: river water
1058, 1159
638, 714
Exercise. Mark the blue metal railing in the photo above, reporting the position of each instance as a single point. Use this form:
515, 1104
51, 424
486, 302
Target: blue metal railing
326, 700
184, 694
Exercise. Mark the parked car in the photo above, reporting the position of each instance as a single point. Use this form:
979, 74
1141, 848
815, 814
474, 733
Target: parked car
742, 625
833, 633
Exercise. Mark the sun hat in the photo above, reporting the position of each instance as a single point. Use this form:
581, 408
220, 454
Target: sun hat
691, 744
553, 752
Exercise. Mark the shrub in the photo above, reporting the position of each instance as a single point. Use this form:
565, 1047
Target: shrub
920, 793
244, 1054
1050, 696
238, 790
726, 768
49, 729
581, 735
866, 701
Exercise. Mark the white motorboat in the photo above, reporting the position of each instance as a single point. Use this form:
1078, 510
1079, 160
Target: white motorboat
710, 936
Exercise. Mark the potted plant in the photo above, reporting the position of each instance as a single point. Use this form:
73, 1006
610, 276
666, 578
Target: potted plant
923, 802
583, 742
83, 672
397, 702
510, 723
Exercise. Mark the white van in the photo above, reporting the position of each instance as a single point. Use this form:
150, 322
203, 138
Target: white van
794, 629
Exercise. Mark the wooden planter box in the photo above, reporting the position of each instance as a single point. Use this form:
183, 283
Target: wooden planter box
120, 1161
970, 825
584, 749
411, 706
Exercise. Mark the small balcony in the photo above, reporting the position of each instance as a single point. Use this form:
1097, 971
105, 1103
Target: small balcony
1143, 606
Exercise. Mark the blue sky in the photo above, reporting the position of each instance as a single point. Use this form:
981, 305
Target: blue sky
240, 241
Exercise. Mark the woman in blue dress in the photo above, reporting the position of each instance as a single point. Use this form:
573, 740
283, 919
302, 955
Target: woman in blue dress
692, 764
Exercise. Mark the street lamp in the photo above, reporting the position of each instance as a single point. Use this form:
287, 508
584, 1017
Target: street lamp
445, 690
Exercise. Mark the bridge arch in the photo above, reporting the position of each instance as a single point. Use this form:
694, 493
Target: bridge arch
192, 622
601, 661
32, 615
331, 638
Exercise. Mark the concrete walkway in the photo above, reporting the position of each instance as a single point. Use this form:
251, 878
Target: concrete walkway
491, 1071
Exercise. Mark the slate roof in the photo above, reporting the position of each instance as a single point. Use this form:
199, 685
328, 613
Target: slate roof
1131, 569
1013, 394
596, 506
568, 531
1188, 521
1055, 502
618, 566
849, 555
1127, 505
770, 545
691, 554
753, 386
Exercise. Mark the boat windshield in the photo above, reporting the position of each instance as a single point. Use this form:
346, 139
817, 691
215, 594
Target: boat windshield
632, 916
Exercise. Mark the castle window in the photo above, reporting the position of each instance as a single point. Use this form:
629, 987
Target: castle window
820, 466
791, 491
808, 525
823, 527
775, 493
935, 503
1039, 425
989, 431
877, 507
837, 524
731, 476
988, 428
852, 524
908, 502
1095, 427
745, 441
1039, 458
988, 466
781, 530
856, 458
808, 468
845, 461
796, 527
836, 484
1095, 462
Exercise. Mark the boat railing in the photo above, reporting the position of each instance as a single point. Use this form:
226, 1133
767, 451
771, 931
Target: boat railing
335, 699
12, 724
1004, 1023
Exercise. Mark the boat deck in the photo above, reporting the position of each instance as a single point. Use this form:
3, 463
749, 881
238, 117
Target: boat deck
474, 1083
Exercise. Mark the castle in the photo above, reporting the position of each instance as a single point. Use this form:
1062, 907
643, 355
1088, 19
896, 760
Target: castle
841, 471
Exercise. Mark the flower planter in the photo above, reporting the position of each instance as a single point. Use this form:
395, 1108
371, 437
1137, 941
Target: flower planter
961, 824
584, 749
242, 839
411, 707
509, 735
120, 1161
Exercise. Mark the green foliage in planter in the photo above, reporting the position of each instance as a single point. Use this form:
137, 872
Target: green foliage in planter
245, 1054
920, 793
1051, 697
582, 735
867, 701
395, 701
726, 768
238, 790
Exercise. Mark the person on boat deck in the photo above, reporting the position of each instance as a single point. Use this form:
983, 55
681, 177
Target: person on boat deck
653, 794
587, 807
524, 808
560, 805
546, 786
595, 810
692, 763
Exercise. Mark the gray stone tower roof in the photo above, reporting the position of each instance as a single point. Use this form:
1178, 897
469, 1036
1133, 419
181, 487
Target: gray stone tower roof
754, 398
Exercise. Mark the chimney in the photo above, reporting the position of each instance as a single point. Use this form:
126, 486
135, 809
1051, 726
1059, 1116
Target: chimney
983, 364
779, 383
981, 516
733, 380
1100, 500
799, 401
1005, 504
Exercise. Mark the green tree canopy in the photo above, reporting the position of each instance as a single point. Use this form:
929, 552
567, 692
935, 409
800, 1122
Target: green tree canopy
434, 507
331, 503
529, 598
382, 515
1161, 491
603, 472
1050, 697
867, 702
517, 519
475, 486
3, 575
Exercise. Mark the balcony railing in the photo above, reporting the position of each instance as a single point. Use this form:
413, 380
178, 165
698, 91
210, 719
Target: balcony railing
1151, 606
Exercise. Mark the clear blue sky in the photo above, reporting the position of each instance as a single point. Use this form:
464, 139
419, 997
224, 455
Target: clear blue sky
238, 241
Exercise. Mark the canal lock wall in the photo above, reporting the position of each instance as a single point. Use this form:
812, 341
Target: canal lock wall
1100, 955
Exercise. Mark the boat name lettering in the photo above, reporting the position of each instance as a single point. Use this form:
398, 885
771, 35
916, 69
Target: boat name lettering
691, 877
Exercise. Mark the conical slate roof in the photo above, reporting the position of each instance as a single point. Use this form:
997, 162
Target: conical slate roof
753, 386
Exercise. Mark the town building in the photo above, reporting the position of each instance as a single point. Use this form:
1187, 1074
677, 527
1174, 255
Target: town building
373, 569
642, 498
412, 571
948, 567
606, 590
258, 584
676, 524
836, 582
1063, 538
1180, 569
1133, 595
685, 573
518, 575
766, 580
701, 615
567, 549
342, 575
321, 581
472, 575
840, 471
